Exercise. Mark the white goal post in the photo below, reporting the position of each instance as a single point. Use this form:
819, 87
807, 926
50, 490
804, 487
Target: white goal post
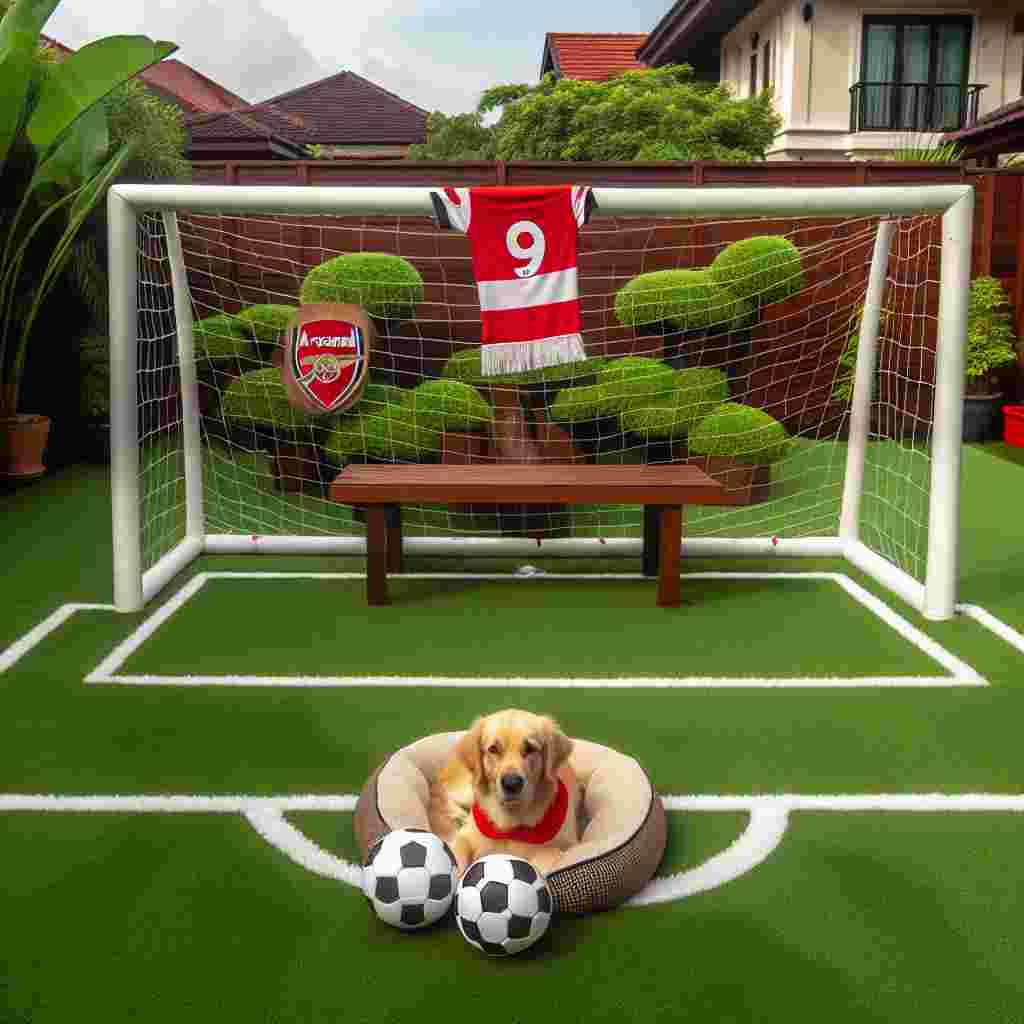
169, 489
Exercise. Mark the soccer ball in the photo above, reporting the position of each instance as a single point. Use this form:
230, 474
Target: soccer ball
503, 905
409, 877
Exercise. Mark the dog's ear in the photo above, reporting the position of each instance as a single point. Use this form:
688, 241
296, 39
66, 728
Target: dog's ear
469, 753
558, 747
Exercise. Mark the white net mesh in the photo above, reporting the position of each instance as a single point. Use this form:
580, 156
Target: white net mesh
726, 342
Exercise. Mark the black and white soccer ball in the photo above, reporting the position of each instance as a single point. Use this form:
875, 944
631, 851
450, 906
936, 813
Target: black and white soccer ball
410, 877
503, 905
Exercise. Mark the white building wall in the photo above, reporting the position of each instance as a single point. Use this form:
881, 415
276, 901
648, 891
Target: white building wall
817, 61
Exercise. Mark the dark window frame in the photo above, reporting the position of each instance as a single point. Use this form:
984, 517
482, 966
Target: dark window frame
767, 70
753, 73
902, 21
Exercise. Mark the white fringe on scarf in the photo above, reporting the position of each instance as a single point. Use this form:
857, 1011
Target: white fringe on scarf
520, 356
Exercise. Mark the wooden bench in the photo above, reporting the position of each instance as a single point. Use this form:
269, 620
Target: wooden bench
662, 490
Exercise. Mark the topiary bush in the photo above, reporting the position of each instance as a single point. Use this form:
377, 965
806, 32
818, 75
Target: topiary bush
386, 286
266, 322
388, 432
624, 383
221, 339
259, 398
690, 300
449, 405
747, 434
464, 365
698, 391
763, 269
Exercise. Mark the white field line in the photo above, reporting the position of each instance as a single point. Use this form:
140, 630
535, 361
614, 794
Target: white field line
38, 634
769, 818
990, 622
961, 674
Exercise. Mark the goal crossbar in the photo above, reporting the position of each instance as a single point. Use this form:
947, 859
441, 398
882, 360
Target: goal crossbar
935, 597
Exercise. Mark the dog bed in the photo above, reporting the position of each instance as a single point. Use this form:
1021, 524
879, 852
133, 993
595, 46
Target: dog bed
621, 818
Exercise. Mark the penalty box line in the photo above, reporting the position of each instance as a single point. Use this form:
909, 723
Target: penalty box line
960, 673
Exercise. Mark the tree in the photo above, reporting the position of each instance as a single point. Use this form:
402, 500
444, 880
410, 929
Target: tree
655, 114
461, 137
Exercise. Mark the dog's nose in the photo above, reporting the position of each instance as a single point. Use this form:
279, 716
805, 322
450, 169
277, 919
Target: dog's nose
512, 783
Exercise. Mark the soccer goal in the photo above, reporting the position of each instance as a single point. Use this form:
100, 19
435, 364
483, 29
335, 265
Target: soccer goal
804, 346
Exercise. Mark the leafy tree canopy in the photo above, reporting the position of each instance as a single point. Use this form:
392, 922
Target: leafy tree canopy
654, 114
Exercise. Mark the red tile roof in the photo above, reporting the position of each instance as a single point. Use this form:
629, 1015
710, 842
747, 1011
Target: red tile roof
177, 82
591, 56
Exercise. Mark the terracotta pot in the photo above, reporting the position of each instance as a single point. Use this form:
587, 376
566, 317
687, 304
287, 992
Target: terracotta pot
461, 449
744, 484
22, 443
294, 466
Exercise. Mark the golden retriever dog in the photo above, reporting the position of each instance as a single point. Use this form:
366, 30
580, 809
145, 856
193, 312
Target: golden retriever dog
508, 788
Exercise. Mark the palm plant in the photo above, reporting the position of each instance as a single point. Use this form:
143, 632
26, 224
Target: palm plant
55, 164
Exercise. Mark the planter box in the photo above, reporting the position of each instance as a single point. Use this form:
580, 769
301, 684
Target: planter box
744, 484
1013, 429
981, 418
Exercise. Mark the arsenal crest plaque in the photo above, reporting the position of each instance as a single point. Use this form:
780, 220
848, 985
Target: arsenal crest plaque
326, 357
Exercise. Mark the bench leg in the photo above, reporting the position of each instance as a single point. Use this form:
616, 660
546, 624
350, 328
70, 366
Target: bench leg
649, 558
671, 539
394, 531
377, 554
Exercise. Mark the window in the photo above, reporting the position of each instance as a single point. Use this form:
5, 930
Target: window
914, 72
753, 73
767, 71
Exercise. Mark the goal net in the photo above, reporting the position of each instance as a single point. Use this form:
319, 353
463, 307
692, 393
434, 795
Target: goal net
803, 346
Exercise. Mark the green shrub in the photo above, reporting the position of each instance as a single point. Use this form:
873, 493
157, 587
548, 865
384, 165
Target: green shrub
449, 405
698, 392
386, 286
266, 321
749, 435
221, 338
763, 269
464, 365
691, 300
625, 383
391, 432
259, 397
990, 336
94, 378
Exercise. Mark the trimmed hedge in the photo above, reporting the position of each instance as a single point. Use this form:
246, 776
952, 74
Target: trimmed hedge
388, 432
464, 365
448, 405
221, 338
698, 392
626, 383
747, 434
259, 397
386, 286
267, 321
689, 299
763, 269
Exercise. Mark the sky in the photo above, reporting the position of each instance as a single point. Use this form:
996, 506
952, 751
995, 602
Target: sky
438, 54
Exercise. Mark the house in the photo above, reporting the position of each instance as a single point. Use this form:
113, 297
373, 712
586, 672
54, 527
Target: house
590, 56
176, 83
345, 114
850, 82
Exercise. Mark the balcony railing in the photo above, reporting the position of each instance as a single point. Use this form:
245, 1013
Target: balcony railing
912, 106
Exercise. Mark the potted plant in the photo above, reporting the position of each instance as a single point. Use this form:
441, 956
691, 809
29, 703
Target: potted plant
55, 166
990, 344
737, 444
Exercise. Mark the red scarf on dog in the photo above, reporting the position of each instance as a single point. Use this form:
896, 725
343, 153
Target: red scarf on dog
543, 832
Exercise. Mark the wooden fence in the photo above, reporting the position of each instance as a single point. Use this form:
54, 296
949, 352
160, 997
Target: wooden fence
247, 262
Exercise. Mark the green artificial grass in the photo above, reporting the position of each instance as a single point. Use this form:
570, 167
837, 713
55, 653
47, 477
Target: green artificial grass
855, 917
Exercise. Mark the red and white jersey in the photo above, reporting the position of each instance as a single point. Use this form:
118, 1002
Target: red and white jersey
523, 248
